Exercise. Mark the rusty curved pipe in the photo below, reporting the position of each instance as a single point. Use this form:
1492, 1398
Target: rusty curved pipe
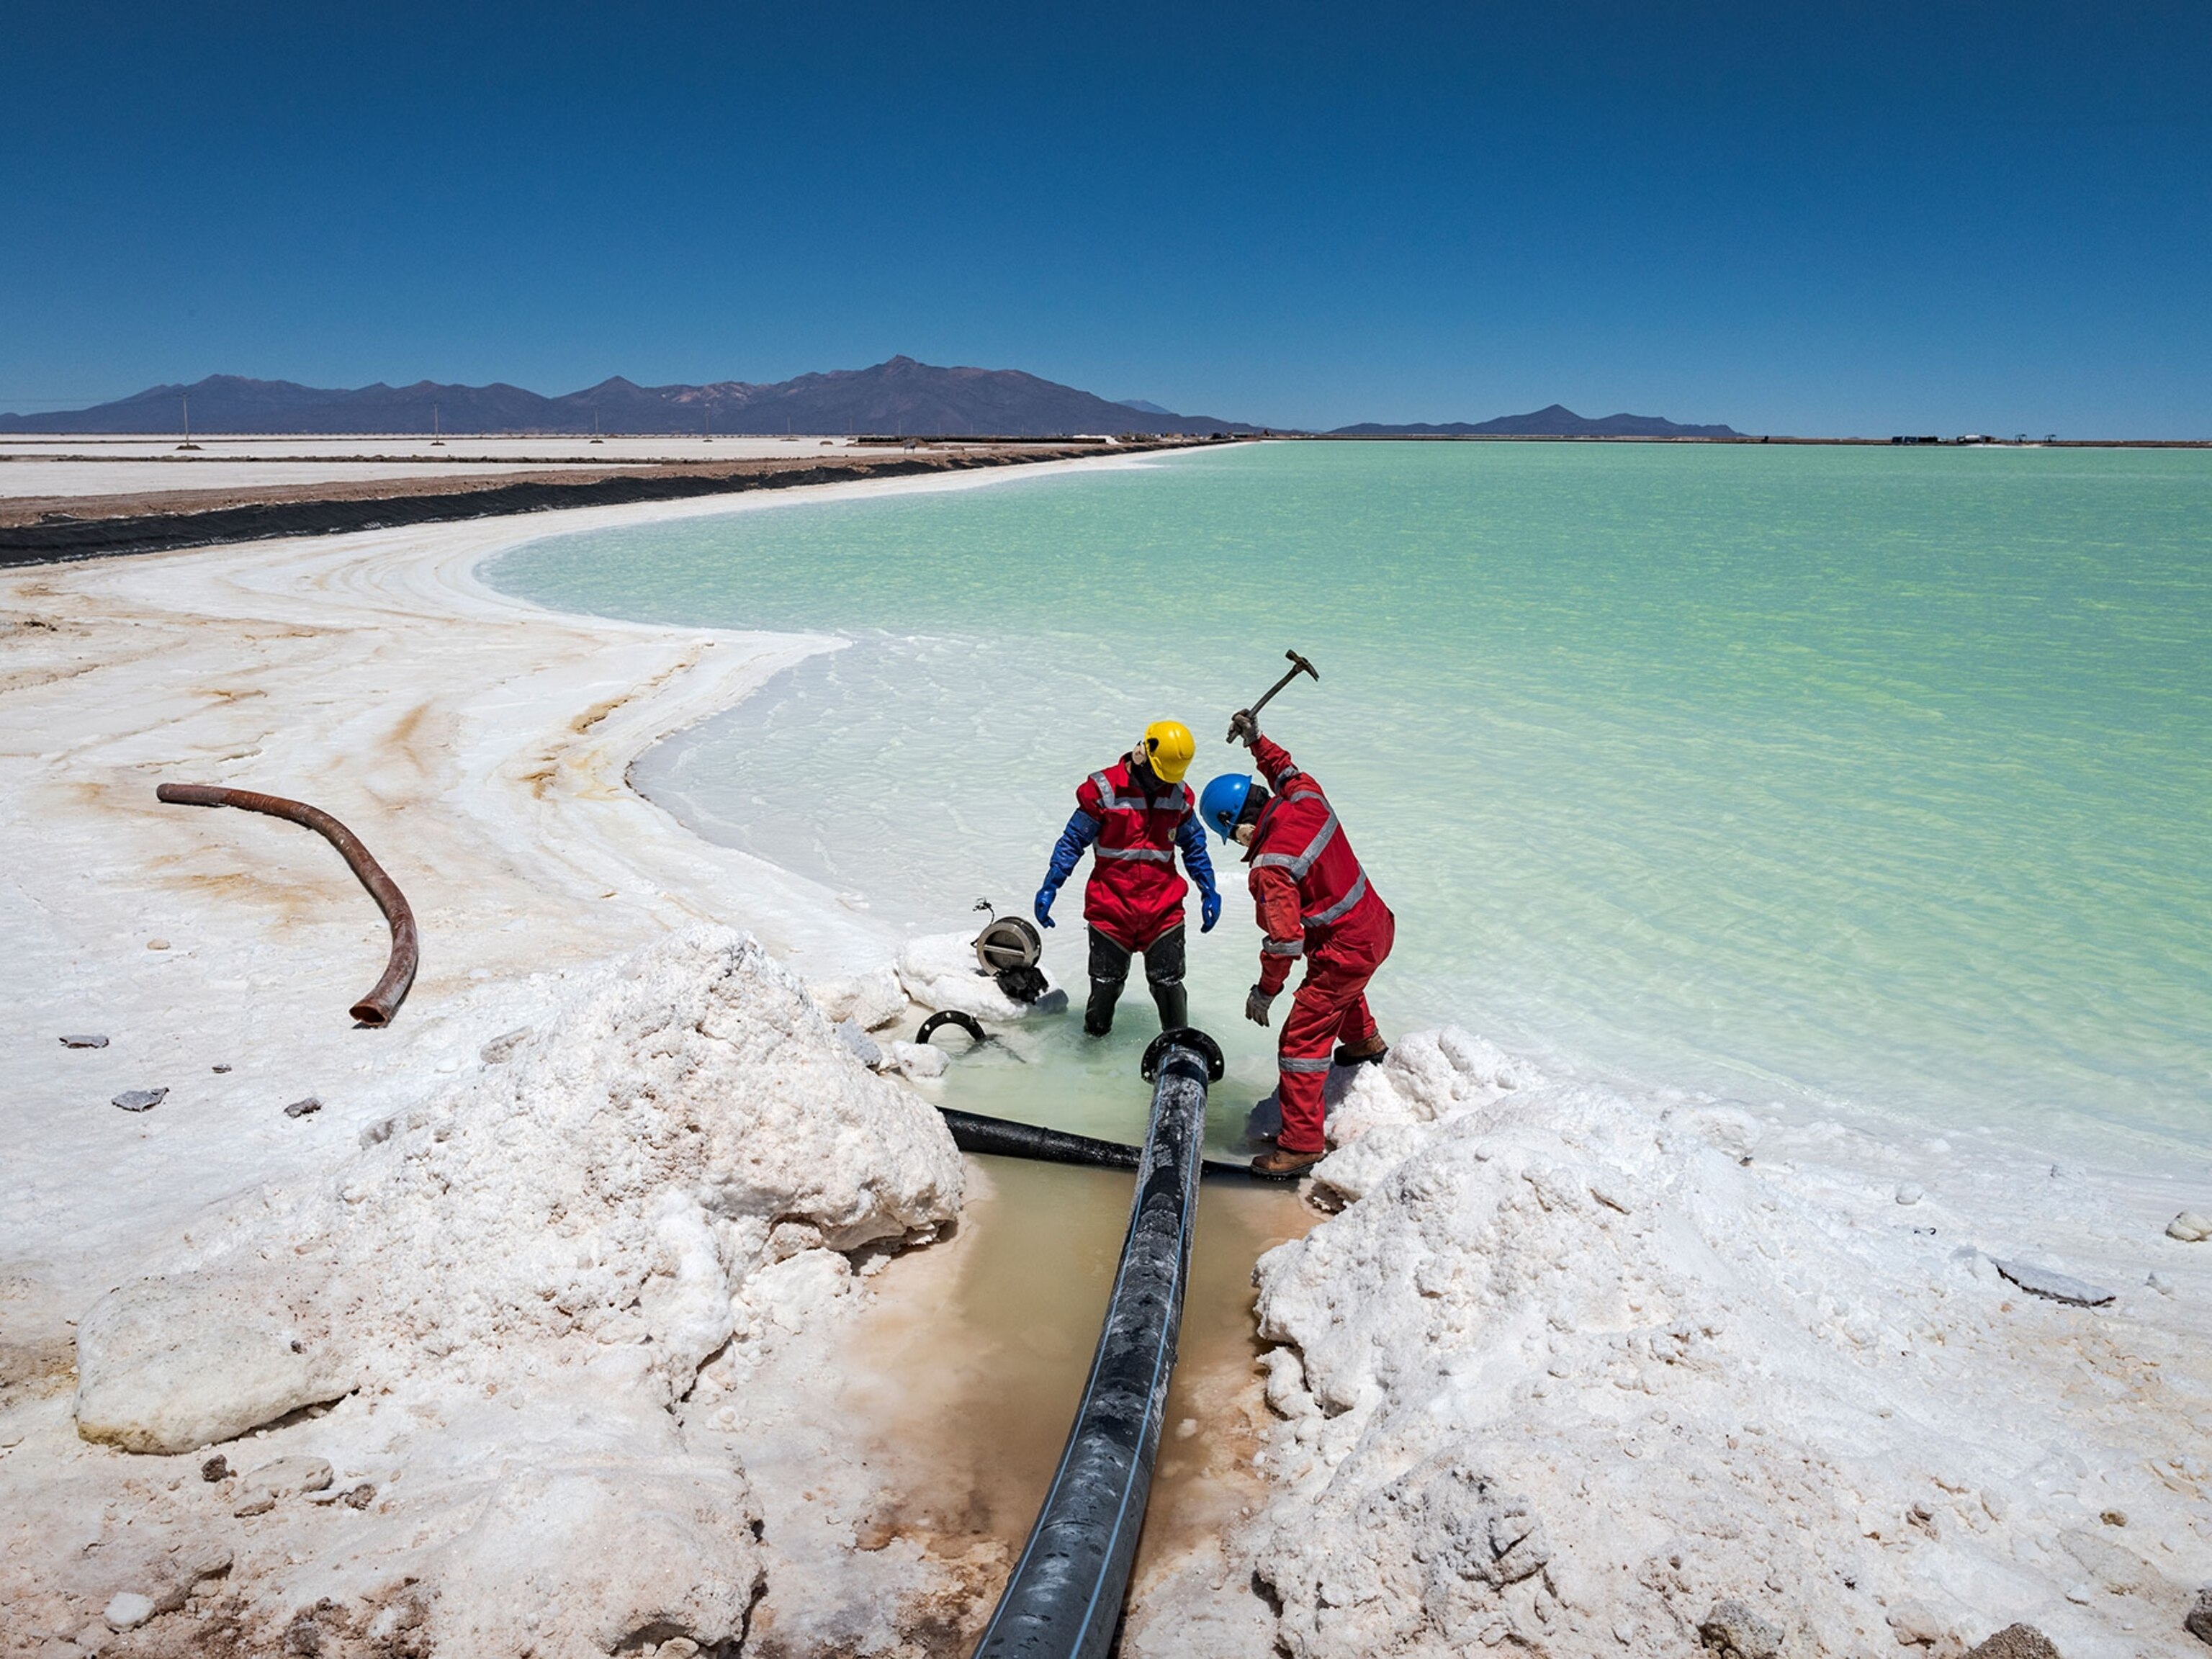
384, 997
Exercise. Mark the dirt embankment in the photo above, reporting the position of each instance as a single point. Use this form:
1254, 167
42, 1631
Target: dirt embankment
46, 530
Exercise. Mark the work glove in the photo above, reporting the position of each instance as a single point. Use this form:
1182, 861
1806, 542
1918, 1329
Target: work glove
1209, 910
1042, 908
1255, 1004
1244, 728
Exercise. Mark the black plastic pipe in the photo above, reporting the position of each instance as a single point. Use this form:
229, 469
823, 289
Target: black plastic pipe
1002, 1138
1064, 1599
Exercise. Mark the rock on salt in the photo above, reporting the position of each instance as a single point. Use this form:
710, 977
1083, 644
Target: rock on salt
2057, 1286
2015, 1641
2198, 1621
1733, 1631
140, 1100
2189, 1227
849, 1033
303, 1108
84, 1042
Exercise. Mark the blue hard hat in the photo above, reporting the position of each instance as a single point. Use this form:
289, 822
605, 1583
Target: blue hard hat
1223, 802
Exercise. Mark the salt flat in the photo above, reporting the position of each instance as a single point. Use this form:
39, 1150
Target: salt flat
1568, 1370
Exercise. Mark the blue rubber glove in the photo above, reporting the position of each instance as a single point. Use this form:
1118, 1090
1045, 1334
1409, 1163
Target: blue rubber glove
1192, 839
1074, 841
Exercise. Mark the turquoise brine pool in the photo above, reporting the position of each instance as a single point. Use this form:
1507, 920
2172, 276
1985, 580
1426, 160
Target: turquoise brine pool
1852, 779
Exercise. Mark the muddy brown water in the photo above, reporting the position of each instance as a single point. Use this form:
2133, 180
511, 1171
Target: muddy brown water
972, 1362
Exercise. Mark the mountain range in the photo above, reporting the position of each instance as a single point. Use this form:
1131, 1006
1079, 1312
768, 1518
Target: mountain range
1556, 422
899, 395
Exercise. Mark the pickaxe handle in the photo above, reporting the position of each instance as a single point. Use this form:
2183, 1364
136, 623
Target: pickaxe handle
1298, 665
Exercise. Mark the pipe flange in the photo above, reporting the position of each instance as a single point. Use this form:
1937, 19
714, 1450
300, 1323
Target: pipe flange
951, 1017
1183, 1036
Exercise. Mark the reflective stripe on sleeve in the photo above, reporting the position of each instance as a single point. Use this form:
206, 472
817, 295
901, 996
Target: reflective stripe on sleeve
1342, 907
1298, 864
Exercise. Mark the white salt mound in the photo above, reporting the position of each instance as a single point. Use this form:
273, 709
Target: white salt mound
538, 1264
1571, 1370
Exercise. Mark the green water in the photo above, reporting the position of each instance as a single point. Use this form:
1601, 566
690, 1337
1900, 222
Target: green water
1857, 780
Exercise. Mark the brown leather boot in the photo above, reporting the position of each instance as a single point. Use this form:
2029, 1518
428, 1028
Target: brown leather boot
1360, 1054
1280, 1165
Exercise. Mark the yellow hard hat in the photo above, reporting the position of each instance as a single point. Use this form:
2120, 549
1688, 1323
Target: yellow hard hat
1169, 746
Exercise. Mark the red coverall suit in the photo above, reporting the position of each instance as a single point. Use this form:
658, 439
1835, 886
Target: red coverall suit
1314, 902
1134, 900
1135, 892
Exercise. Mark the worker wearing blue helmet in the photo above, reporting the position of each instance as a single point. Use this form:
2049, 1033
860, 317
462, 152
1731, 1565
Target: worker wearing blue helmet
1314, 900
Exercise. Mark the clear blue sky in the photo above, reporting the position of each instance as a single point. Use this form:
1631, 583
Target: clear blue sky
1927, 217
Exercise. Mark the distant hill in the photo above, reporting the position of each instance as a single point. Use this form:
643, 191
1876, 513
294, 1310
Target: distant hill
1556, 422
1142, 407
899, 395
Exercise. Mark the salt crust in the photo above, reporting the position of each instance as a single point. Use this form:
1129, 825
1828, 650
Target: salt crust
518, 1287
1571, 1368
938, 971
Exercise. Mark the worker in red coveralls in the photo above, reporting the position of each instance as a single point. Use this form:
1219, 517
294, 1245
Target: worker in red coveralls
1137, 814
1315, 901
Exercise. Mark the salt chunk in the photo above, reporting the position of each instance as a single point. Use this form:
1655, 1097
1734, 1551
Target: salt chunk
2189, 1227
288, 1477
1908, 1192
128, 1609
919, 1060
938, 971
871, 1001
170, 1363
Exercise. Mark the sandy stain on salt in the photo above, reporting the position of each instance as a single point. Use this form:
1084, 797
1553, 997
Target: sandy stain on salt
969, 1367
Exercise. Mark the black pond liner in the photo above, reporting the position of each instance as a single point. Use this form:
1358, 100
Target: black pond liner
1064, 1598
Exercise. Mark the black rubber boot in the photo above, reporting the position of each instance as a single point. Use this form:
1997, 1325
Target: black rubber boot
1098, 1012
1174, 1004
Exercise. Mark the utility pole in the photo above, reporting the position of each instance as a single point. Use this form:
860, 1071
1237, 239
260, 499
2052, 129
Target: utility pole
437, 438
187, 399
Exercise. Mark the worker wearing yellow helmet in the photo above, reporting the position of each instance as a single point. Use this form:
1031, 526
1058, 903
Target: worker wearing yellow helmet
1135, 815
